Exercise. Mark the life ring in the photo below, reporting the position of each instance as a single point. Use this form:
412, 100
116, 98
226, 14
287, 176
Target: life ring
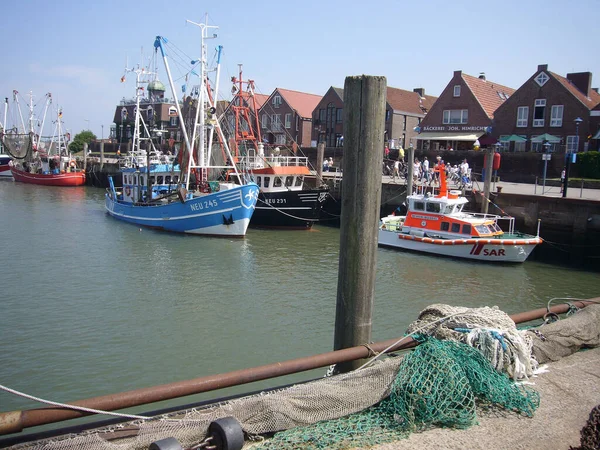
73, 164
127, 191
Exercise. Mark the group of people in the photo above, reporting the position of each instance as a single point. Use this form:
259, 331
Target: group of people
423, 171
328, 164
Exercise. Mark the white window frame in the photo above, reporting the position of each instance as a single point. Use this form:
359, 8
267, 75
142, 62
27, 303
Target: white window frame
571, 143
280, 139
264, 121
556, 115
457, 90
520, 146
504, 145
277, 101
539, 103
276, 122
542, 79
464, 116
522, 116
288, 120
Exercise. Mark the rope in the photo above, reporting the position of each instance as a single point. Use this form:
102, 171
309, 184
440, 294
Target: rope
289, 215
65, 405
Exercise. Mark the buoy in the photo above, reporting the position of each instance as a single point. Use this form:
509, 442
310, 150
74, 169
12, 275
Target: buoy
169, 443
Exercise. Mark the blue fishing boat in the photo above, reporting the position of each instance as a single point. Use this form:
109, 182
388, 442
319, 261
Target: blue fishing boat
185, 194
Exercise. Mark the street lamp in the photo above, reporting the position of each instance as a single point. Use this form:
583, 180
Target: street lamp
546, 157
577, 121
102, 135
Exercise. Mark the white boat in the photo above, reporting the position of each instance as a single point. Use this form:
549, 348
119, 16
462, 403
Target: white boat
157, 193
437, 224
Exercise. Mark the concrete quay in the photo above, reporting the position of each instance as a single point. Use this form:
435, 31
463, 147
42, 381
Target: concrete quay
568, 391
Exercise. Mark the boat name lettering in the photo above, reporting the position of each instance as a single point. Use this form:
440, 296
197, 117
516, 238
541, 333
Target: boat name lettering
420, 216
275, 200
493, 252
205, 204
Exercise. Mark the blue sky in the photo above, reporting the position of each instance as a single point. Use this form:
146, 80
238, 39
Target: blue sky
77, 50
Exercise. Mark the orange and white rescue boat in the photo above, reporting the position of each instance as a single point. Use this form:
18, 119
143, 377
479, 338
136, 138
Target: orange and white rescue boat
438, 225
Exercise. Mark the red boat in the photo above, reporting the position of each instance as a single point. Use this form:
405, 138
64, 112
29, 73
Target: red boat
63, 178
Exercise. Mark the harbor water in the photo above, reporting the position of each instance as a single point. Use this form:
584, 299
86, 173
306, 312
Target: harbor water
93, 306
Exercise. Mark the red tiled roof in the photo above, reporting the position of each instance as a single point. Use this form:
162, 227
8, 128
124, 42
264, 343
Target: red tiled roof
591, 102
489, 94
302, 102
260, 100
409, 101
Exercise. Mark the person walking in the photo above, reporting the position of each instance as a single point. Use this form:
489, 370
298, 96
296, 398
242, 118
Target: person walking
425, 170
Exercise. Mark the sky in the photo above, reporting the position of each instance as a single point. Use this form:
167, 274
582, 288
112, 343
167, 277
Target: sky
78, 50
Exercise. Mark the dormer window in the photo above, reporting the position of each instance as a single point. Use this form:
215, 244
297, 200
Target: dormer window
541, 79
277, 101
457, 90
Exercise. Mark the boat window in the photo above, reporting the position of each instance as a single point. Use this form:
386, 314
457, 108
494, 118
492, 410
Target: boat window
167, 179
455, 227
289, 181
159, 179
496, 227
433, 207
466, 229
448, 209
267, 181
176, 179
258, 180
142, 180
299, 181
459, 208
445, 226
277, 182
419, 206
152, 179
482, 229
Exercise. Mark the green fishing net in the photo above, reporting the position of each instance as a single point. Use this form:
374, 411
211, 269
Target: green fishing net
438, 384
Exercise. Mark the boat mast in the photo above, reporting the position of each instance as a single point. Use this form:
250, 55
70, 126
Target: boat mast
48, 101
158, 45
5, 114
243, 112
16, 100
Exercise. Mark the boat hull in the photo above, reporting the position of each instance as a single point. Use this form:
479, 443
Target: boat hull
223, 213
482, 249
5, 166
288, 209
60, 179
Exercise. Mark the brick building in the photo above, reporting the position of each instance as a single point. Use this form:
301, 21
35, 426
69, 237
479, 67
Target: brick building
463, 113
550, 107
403, 112
286, 117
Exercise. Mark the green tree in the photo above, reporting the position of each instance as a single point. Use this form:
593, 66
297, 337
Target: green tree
77, 145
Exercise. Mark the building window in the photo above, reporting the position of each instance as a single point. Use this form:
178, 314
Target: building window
504, 145
322, 115
276, 122
571, 143
556, 116
340, 115
277, 101
404, 124
387, 115
457, 90
288, 120
520, 146
173, 121
539, 112
454, 116
280, 139
264, 121
522, 116
541, 79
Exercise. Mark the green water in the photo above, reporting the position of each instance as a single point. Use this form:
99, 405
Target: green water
93, 306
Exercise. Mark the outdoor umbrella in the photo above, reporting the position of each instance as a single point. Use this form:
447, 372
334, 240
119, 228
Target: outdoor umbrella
513, 138
546, 137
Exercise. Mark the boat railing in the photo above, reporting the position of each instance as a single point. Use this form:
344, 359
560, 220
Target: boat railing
258, 161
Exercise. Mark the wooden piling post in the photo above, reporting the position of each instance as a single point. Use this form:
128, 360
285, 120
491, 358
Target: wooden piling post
411, 170
320, 155
85, 153
364, 120
488, 180
101, 155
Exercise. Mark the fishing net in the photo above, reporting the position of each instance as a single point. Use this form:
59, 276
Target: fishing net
17, 145
590, 433
488, 329
440, 383
556, 340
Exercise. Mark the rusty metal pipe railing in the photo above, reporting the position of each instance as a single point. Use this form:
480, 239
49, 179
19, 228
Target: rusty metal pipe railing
16, 421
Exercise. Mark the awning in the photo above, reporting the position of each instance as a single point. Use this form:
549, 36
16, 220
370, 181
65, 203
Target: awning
513, 138
441, 136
